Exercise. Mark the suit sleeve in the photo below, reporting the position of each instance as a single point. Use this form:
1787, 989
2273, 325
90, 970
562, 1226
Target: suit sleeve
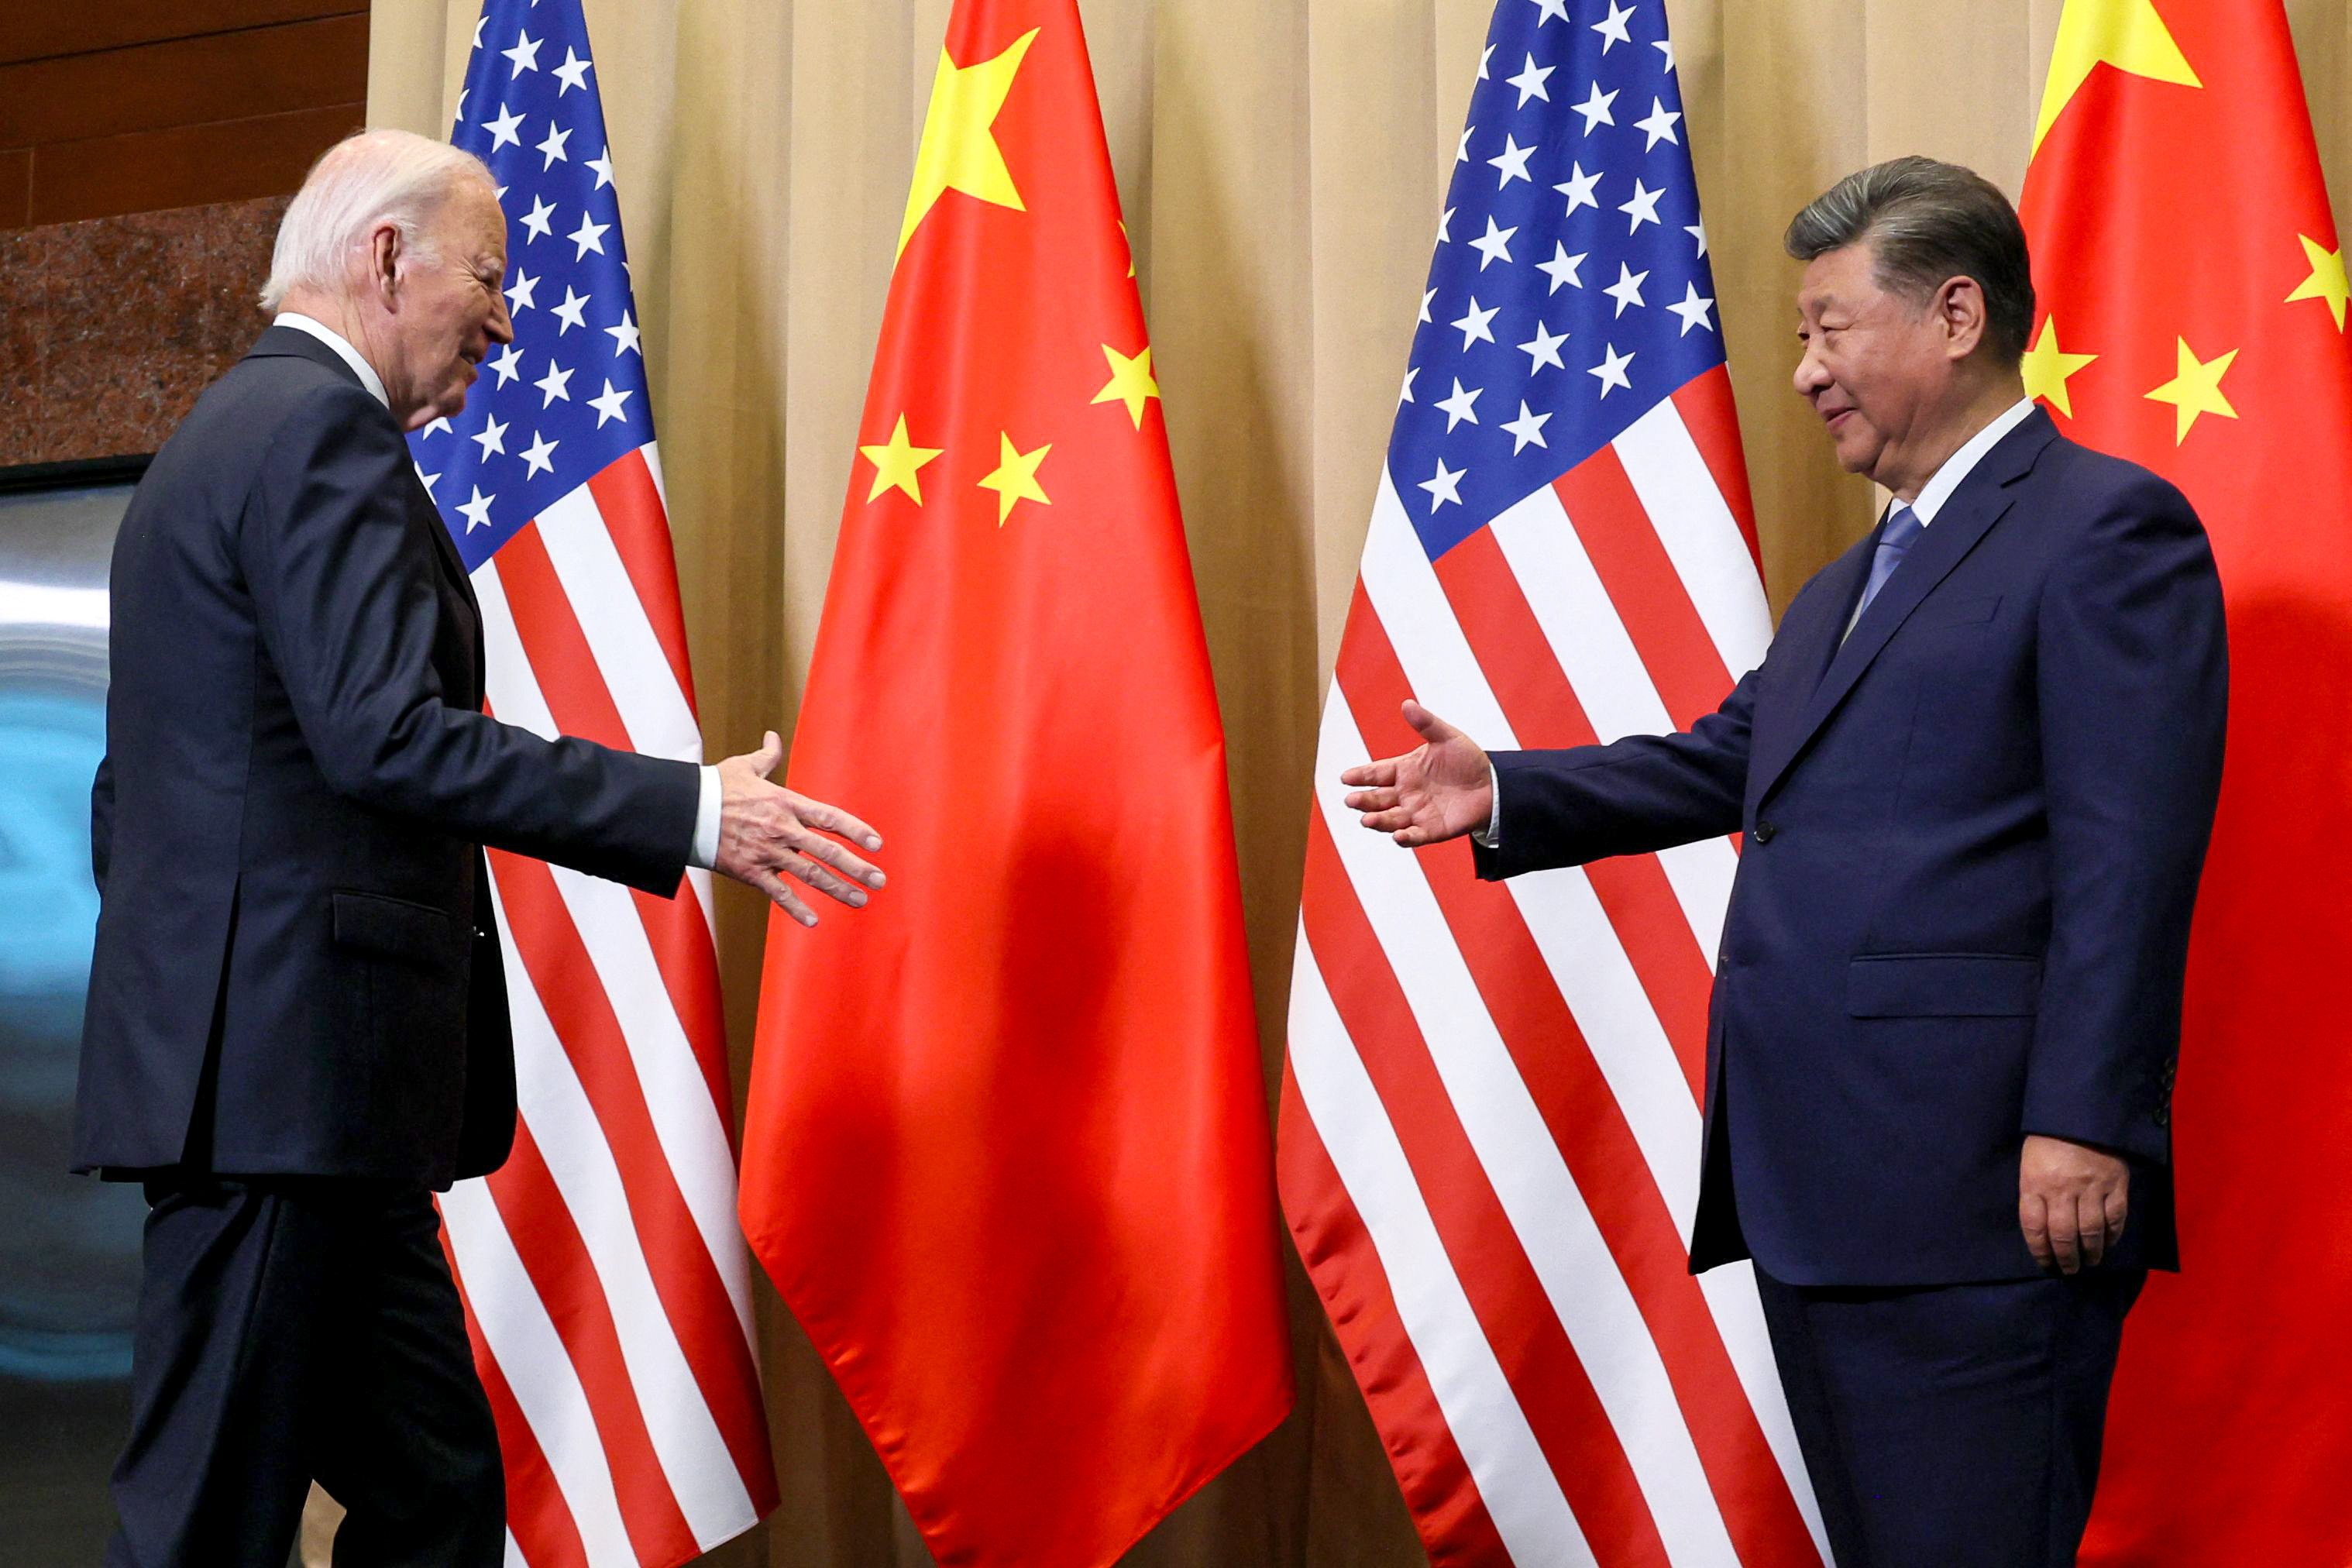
102, 821
1632, 797
2134, 689
345, 596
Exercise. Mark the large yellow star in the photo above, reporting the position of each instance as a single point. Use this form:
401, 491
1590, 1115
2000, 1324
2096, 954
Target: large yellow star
2126, 34
2195, 389
1130, 382
896, 463
959, 151
2047, 366
2327, 280
1015, 479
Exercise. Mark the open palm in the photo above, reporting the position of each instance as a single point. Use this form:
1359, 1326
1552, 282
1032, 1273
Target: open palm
1439, 790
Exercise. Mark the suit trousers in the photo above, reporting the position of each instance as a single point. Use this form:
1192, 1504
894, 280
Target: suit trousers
1954, 1425
292, 1329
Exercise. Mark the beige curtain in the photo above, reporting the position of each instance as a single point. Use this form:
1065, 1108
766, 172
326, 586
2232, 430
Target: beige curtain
1281, 164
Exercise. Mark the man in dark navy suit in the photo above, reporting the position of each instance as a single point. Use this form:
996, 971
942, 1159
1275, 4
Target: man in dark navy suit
297, 1028
1977, 773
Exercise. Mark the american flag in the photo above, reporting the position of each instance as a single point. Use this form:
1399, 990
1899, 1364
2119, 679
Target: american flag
1490, 1120
607, 1290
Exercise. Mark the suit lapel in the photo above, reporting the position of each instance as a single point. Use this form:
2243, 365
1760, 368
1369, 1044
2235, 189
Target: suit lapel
1810, 643
1981, 500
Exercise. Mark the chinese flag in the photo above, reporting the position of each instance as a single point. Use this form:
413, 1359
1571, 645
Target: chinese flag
2193, 319
1006, 1154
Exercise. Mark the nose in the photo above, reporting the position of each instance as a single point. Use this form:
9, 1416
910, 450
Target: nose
1810, 378
500, 325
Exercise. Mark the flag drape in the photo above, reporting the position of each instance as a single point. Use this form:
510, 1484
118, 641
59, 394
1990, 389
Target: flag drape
607, 1290
2191, 317
1006, 1153
1490, 1125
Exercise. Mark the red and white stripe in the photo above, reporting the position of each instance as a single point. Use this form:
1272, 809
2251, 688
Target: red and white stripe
1490, 1121
607, 1288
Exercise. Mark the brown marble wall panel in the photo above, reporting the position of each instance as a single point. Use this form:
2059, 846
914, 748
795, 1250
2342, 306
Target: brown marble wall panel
108, 329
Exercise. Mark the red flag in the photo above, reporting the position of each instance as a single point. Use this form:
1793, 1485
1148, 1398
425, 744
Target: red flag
1006, 1153
2193, 295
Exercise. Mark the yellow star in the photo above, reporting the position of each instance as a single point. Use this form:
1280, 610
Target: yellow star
1128, 241
2196, 389
2126, 34
895, 462
1130, 382
2327, 280
958, 151
1015, 479
2047, 366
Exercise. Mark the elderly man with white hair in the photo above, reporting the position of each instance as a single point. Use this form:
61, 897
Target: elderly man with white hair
297, 1026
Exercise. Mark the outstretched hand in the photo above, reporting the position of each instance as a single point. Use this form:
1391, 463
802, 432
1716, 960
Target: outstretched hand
767, 832
1439, 790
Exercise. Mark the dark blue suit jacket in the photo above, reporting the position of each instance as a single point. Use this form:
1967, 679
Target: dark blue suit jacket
296, 969
1973, 837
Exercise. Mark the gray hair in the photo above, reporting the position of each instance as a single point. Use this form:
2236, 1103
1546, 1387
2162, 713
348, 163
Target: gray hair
362, 181
1927, 223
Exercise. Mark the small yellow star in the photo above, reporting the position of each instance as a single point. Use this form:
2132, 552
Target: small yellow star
1130, 382
2327, 280
895, 462
1128, 241
959, 151
1015, 479
2047, 366
2196, 389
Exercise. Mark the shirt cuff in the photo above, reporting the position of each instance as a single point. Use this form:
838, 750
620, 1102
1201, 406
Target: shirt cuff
706, 823
1487, 838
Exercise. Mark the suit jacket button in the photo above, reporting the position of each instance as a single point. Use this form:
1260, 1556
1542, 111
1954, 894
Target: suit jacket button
1764, 831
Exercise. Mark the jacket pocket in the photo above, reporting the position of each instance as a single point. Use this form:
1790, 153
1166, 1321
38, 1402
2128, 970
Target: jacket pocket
1957, 613
395, 928
1943, 985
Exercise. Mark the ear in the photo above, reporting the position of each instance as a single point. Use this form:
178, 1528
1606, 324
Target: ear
385, 255
1960, 308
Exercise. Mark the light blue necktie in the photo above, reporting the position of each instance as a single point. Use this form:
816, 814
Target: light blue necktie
1895, 541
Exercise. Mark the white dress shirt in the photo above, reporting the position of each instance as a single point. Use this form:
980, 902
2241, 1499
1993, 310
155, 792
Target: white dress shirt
1932, 497
706, 815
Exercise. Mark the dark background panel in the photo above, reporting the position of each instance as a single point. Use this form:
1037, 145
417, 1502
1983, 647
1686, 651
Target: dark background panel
186, 165
36, 29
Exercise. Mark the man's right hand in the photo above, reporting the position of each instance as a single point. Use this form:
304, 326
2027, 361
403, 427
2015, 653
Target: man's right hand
1439, 790
767, 832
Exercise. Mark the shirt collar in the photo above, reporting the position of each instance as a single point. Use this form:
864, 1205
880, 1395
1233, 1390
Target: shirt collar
1957, 467
343, 350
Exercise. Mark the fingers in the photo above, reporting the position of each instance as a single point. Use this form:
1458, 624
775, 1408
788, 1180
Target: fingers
2065, 1234
2091, 1215
826, 882
781, 894
832, 820
1373, 800
840, 859
2033, 1219
2116, 1209
1377, 775
771, 752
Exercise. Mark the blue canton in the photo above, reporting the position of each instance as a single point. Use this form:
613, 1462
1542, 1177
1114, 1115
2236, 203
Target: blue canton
1570, 290
568, 396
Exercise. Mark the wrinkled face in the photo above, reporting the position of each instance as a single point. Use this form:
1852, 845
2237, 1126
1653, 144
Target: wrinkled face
1875, 366
449, 310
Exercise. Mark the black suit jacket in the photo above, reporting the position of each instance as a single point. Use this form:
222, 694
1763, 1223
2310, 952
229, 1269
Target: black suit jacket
296, 968
1974, 830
